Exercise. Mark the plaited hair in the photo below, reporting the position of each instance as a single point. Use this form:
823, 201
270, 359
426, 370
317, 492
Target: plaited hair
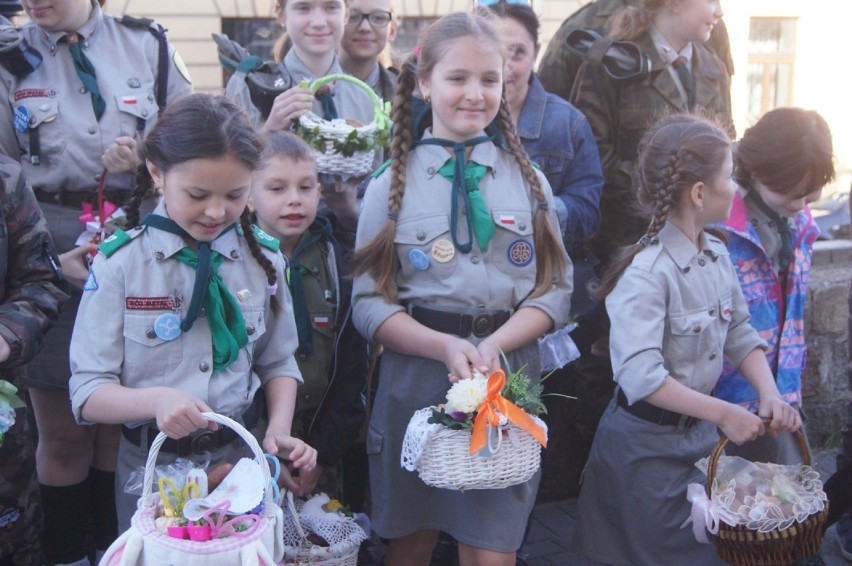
674, 154
789, 150
633, 22
378, 257
198, 126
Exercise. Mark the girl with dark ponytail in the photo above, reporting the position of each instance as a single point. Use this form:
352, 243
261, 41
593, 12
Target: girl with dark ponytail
677, 311
458, 258
176, 320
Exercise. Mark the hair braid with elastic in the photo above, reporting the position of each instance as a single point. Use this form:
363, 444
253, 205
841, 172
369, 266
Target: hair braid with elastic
260, 257
144, 187
664, 199
378, 257
549, 251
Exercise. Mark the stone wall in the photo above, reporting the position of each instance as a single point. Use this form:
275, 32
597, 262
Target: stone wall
825, 383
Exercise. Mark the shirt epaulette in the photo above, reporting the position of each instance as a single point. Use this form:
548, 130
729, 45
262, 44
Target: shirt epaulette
265, 239
381, 169
646, 258
118, 240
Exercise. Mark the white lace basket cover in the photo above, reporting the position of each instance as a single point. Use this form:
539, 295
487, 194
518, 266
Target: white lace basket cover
442, 456
330, 161
764, 497
343, 535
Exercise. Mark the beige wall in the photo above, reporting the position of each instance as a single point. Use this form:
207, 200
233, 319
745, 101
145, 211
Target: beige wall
822, 34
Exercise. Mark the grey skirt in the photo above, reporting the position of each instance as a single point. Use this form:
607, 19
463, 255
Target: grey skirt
633, 496
402, 504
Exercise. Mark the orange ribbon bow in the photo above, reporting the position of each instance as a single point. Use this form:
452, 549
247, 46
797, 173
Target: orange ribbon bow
488, 414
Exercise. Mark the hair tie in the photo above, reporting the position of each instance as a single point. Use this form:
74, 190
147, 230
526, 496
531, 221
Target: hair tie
272, 289
542, 205
648, 240
417, 51
393, 216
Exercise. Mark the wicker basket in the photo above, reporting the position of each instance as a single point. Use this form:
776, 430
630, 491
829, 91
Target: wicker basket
742, 546
299, 550
322, 134
442, 456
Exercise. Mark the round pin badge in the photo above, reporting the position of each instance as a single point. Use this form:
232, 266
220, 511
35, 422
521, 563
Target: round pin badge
418, 259
167, 326
520, 253
443, 251
133, 82
22, 118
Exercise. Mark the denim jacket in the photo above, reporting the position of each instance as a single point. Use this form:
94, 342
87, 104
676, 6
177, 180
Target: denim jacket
560, 141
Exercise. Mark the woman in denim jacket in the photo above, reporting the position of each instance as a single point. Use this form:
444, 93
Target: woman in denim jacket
556, 135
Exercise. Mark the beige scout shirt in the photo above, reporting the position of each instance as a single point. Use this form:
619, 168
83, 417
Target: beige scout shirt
501, 277
678, 311
72, 140
114, 339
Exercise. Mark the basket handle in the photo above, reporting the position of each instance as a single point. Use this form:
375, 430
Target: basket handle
380, 108
291, 508
713, 464
148, 483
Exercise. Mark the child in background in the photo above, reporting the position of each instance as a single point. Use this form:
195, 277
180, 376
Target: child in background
366, 36
676, 310
781, 164
422, 266
188, 312
332, 356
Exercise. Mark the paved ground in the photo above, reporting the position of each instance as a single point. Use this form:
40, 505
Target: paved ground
549, 541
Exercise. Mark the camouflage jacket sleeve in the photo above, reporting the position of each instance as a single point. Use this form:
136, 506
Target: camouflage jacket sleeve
29, 297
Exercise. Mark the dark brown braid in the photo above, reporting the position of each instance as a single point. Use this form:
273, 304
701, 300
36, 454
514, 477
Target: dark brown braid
549, 251
675, 153
144, 187
378, 257
260, 257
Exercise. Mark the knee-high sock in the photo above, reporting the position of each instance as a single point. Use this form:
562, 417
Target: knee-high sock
66, 521
104, 516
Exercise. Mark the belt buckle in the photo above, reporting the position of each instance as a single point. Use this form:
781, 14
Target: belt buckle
203, 441
482, 325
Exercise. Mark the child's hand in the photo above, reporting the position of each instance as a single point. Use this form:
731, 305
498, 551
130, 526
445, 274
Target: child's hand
490, 355
288, 107
741, 425
783, 415
459, 356
303, 457
307, 480
121, 157
75, 266
179, 414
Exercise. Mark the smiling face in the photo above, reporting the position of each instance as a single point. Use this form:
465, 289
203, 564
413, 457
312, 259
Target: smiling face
465, 87
314, 26
361, 39
285, 195
206, 195
695, 19
522, 52
58, 15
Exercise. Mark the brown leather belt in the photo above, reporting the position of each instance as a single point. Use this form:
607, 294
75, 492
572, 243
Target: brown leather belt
479, 324
652, 414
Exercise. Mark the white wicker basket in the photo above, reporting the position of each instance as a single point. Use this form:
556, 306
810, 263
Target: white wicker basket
442, 456
344, 538
329, 160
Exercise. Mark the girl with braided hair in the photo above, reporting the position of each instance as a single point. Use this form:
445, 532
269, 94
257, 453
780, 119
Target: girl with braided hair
458, 257
188, 312
677, 311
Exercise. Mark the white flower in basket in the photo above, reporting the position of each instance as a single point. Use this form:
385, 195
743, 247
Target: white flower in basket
480, 439
345, 147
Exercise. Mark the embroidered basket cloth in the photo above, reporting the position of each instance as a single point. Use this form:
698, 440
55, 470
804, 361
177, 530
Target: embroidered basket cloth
322, 134
778, 523
442, 458
342, 535
144, 545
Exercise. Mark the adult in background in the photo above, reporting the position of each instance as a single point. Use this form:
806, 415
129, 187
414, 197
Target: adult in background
559, 65
78, 114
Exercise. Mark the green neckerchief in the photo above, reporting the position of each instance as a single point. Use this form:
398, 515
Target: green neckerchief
781, 225
86, 72
319, 229
227, 325
458, 172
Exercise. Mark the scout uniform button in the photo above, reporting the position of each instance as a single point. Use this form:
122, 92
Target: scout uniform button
711, 312
159, 256
702, 262
418, 259
713, 356
250, 329
443, 251
235, 254
421, 236
150, 333
44, 107
167, 326
696, 328
474, 259
133, 82
92, 130
83, 90
204, 366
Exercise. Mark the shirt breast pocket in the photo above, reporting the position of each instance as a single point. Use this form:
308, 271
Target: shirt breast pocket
38, 128
136, 108
255, 328
691, 334
425, 246
145, 351
511, 249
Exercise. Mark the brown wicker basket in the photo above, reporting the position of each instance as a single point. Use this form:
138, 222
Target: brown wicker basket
742, 546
